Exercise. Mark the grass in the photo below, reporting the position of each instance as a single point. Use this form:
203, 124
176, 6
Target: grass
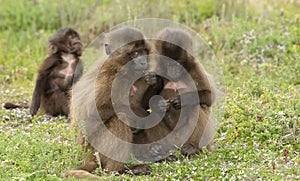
259, 53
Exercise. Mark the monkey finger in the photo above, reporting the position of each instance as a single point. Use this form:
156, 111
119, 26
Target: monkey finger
176, 103
153, 81
189, 150
150, 81
164, 105
171, 158
142, 169
33, 111
150, 78
155, 149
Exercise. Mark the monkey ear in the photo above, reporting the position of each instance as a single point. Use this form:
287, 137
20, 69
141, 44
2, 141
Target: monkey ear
107, 50
52, 49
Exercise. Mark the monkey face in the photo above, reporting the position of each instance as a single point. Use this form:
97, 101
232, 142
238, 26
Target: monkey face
65, 40
140, 59
74, 42
74, 39
133, 56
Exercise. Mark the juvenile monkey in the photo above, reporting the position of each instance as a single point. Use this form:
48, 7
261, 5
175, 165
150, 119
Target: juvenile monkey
176, 44
57, 73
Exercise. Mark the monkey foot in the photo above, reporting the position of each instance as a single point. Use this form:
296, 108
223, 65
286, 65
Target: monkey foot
142, 169
155, 149
190, 150
210, 147
169, 158
79, 174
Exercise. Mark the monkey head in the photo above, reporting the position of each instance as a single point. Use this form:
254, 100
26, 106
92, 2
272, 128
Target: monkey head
127, 45
175, 44
65, 40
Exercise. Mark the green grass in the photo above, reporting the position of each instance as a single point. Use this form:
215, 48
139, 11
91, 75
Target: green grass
259, 134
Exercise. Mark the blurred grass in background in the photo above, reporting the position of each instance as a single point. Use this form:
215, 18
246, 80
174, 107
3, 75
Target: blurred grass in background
26, 25
257, 42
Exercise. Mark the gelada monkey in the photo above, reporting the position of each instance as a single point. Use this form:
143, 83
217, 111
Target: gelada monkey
177, 44
56, 75
100, 124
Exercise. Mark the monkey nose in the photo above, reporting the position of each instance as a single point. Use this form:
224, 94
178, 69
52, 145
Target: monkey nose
143, 62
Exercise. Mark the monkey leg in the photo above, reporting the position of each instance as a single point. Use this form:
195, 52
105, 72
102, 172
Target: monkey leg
141, 169
210, 147
169, 158
81, 174
56, 104
157, 152
89, 163
201, 136
122, 131
190, 150
84, 170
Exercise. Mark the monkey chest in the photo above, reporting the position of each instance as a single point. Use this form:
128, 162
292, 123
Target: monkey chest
137, 92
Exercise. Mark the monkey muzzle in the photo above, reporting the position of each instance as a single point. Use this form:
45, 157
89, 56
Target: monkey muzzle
75, 42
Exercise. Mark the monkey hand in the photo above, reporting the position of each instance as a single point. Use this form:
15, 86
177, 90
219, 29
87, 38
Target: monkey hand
150, 78
162, 105
159, 153
156, 151
176, 102
77, 51
141, 169
33, 110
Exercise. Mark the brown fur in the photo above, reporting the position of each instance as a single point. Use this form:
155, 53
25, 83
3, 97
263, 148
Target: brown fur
57, 74
203, 128
83, 114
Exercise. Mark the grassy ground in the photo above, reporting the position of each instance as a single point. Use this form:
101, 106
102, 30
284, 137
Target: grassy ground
258, 45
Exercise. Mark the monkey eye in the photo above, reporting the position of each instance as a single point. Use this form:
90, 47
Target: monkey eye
134, 54
138, 52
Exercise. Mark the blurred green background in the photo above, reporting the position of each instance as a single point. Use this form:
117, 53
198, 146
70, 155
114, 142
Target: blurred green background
257, 43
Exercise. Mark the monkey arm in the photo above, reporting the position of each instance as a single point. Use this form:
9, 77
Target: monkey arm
103, 97
205, 93
106, 114
78, 71
105, 108
154, 88
139, 111
205, 97
48, 64
41, 81
37, 93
